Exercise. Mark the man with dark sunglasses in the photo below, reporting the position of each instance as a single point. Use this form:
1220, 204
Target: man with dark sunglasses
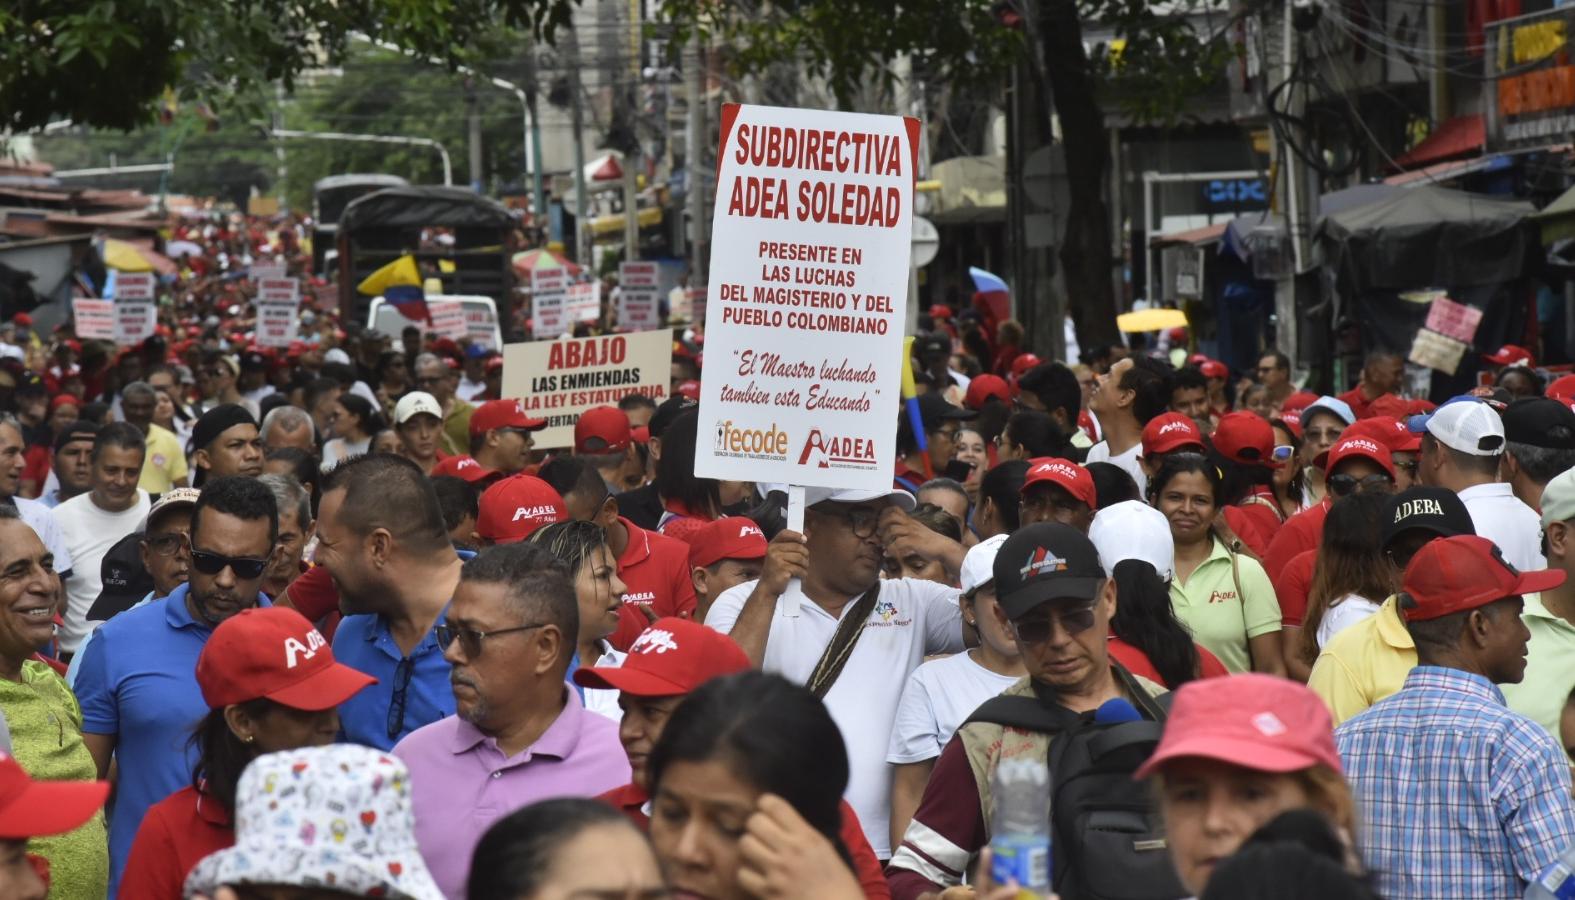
1369, 660
519, 734
135, 683
1053, 596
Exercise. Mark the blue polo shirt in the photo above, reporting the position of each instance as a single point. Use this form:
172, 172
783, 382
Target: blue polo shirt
363, 642
138, 681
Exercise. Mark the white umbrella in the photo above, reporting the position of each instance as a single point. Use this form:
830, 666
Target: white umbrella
176, 249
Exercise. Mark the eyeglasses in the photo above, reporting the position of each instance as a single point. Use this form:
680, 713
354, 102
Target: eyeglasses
245, 567
1283, 452
1047, 499
1345, 485
470, 639
427, 379
949, 434
1037, 630
1325, 434
1410, 465
861, 519
396, 705
167, 544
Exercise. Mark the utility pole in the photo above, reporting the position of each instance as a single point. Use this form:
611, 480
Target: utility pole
474, 122
628, 87
571, 52
278, 145
694, 164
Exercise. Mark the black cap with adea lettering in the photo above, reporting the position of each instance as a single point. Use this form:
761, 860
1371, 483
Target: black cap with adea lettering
1540, 422
1434, 509
1044, 562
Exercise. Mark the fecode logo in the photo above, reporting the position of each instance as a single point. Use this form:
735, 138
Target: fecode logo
770, 442
824, 451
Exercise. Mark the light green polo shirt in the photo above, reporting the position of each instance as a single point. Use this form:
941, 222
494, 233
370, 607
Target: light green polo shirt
1218, 619
1550, 667
46, 738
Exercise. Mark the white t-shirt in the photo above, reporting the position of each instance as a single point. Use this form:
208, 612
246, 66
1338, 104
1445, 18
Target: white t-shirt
1100, 452
1347, 612
468, 389
939, 697
41, 519
913, 619
90, 531
1502, 518
602, 701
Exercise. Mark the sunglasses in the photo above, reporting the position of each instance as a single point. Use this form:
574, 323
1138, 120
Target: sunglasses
1345, 485
245, 567
470, 639
1037, 630
403, 673
1282, 453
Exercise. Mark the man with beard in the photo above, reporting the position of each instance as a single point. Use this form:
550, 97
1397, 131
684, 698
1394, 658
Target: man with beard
520, 734
381, 538
139, 699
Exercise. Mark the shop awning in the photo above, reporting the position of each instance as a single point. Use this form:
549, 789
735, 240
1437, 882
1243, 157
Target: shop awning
1456, 137
1557, 219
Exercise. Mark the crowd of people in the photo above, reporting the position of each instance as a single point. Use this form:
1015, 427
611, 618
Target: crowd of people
327, 622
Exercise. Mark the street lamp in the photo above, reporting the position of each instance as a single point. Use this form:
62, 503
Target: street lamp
448, 170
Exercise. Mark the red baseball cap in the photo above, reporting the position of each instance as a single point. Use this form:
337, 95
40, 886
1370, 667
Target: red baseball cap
31, 808
1169, 432
602, 429
60, 400
1257, 722
940, 311
503, 414
1023, 363
516, 506
464, 467
730, 537
1197, 359
274, 653
671, 657
983, 387
22, 320
1455, 574
1390, 430
1363, 446
1386, 405
690, 389
1299, 401
1213, 368
1246, 438
1562, 389
1063, 473
1510, 355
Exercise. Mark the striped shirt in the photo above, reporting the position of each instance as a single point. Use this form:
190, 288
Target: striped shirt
1460, 797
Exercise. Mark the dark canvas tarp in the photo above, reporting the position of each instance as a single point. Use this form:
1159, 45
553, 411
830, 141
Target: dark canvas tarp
421, 207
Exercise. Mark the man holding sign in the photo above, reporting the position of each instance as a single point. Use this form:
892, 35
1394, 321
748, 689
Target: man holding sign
805, 315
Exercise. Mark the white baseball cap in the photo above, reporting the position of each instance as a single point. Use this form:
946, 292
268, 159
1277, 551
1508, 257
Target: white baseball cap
414, 403
1465, 424
1133, 530
1332, 405
978, 566
899, 498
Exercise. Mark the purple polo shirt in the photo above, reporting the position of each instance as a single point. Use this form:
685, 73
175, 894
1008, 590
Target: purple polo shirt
460, 782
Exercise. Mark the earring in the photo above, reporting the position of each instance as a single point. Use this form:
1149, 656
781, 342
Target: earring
249, 738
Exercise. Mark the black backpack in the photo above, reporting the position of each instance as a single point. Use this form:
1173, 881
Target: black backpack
1106, 838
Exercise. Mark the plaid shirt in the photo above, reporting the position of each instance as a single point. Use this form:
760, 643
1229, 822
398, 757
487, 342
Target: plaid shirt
1459, 796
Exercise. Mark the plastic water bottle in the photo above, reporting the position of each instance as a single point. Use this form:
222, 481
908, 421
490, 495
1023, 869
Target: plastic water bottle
1557, 882
1020, 828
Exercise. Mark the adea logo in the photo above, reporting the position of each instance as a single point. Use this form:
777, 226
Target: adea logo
822, 450
295, 650
770, 442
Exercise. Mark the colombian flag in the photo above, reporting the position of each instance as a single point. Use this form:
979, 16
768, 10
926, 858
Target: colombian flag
399, 283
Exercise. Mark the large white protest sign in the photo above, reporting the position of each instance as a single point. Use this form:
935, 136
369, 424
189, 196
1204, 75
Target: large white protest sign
548, 318
264, 270
639, 296
278, 309
559, 380
279, 290
135, 285
95, 319
134, 321
582, 302
448, 319
806, 299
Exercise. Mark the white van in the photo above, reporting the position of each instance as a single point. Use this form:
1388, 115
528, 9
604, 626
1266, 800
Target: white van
481, 318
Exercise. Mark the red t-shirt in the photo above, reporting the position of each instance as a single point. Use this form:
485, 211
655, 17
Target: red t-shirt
1303, 531
655, 570
314, 596
1255, 522
631, 799
175, 834
1136, 661
35, 464
1292, 584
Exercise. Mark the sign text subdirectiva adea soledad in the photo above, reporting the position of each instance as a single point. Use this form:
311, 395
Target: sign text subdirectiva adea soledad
847, 323
843, 152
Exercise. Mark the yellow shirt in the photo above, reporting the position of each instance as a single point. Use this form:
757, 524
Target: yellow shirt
1550, 668
456, 429
1364, 663
164, 463
1219, 620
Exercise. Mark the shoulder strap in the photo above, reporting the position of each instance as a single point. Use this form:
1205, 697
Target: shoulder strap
1027, 713
1235, 575
837, 652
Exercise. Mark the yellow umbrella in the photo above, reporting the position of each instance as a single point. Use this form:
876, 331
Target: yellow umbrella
125, 257
1151, 320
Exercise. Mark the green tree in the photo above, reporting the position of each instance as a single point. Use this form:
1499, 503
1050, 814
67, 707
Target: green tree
108, 63
1161, 62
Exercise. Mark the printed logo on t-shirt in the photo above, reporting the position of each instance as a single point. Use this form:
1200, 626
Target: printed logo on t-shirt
885, 614
1222, 596
640, 598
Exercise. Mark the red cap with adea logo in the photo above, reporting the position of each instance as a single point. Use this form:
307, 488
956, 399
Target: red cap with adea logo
1246, 438
274, 653
1064, 474
516, 506
731, 537
671, 657
1464, 572
1170, 432
1373, 449
602, 429
502, 414
1261, 723
31, 808
463, 467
